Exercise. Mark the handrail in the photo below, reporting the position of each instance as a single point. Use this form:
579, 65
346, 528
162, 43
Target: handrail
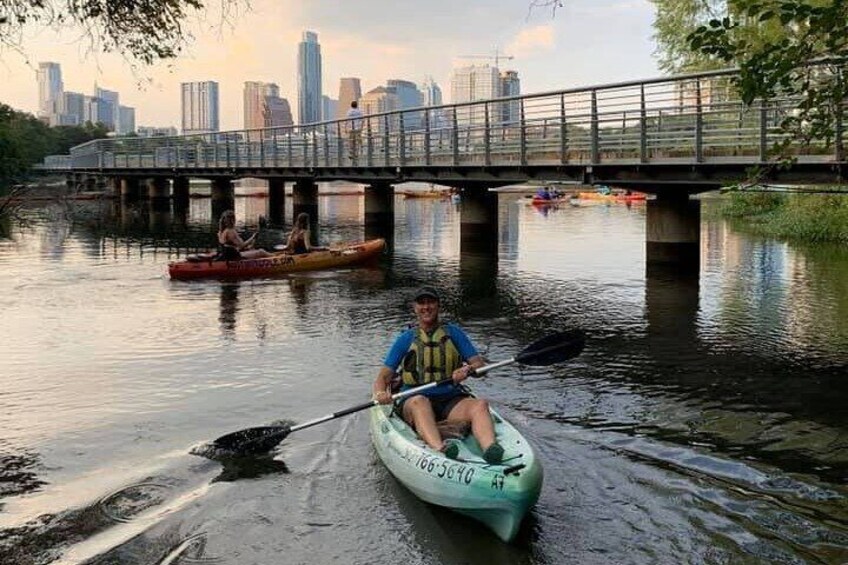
693, 117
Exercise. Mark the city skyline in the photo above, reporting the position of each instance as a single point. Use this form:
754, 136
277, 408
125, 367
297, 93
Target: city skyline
374, 41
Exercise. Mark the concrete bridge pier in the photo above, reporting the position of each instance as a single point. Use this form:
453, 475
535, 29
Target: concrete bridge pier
305, 199
113, 185
223, 196
277, 201
380, 211
479, 221
179, 192
673, 230
129, 189
158, 191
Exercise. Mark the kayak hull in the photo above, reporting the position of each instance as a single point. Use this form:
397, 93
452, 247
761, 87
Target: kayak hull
278, 263
499, 496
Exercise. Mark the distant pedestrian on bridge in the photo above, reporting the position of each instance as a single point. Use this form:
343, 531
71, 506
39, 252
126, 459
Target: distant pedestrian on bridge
354, 132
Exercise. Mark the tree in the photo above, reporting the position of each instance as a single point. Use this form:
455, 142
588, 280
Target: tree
25, 140
675, 20
143, 30
775, 43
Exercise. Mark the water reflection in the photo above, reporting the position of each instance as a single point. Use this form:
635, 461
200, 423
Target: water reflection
229, 307
705, 415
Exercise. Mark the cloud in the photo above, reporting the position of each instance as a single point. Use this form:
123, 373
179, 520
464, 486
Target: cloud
533, 40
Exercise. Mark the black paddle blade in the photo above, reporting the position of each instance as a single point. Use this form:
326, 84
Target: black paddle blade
554, 348
253, 441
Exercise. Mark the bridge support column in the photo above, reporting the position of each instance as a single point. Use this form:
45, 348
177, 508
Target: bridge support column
129, 189
673, 232
158, 191
223, 196
380, 211
113, 185
276, 200
305, 199
91, 184
179, 192
478, 221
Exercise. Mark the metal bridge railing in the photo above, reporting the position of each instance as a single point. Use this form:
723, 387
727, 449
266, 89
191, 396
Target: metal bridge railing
692, 119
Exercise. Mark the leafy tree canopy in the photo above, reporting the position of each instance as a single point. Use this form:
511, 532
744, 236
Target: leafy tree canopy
773, 43
26, 140
143, 30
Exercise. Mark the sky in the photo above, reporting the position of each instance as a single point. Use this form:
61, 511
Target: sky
585, 42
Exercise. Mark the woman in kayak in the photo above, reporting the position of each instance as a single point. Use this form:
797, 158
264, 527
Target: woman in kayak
231, 247
299, 238
429, 352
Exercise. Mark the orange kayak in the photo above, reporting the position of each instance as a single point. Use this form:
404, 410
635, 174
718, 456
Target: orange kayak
636, 196
204, 266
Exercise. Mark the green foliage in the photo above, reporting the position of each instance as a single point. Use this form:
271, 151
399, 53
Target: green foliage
746, 205
144, 30
675, 20
25, 141
809, 217
772, 42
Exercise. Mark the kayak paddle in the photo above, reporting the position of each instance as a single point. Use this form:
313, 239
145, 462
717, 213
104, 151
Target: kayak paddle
551, 349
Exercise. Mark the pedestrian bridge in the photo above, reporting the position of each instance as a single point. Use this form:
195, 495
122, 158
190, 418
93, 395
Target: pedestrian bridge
668, 136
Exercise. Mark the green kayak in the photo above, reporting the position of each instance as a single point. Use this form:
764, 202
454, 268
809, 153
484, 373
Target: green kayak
497, 495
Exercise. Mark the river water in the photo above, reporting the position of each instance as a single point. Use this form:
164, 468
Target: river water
705, 421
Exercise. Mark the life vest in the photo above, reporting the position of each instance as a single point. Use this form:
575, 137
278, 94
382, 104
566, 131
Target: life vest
431, 357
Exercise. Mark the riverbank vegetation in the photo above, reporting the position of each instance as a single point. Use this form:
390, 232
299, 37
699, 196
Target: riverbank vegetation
772, 42
25, 140
810, 217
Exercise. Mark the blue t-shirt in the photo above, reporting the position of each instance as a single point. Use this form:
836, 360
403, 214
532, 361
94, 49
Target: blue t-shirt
404, 341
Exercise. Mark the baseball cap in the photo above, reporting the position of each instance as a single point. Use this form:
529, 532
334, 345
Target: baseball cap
426, 292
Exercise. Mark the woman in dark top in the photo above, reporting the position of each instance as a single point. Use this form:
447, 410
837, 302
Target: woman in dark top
299, 238
231, 247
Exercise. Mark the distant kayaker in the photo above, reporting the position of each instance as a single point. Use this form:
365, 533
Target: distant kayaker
231, 247
543, 193
299, 240
429, 352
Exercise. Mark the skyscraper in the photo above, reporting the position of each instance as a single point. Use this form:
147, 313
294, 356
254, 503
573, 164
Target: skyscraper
329, 108
255, 94
350, 89
278, 112
433, 97
200, 107
473, 83
510, 86
50, 92
108, 112
409, 97
126, 120
309, 79
432, 92
379, 100
75, 108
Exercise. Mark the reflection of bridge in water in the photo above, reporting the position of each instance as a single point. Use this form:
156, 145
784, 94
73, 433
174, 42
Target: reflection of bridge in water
672, 137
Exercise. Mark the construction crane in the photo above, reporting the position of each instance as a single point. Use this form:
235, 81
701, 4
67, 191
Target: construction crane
496, 57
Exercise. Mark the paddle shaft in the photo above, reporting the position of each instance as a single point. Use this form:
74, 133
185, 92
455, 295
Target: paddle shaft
395, 397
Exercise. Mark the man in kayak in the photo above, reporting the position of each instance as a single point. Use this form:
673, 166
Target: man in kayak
432, 351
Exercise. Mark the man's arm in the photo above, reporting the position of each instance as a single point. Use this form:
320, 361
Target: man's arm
381, 389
